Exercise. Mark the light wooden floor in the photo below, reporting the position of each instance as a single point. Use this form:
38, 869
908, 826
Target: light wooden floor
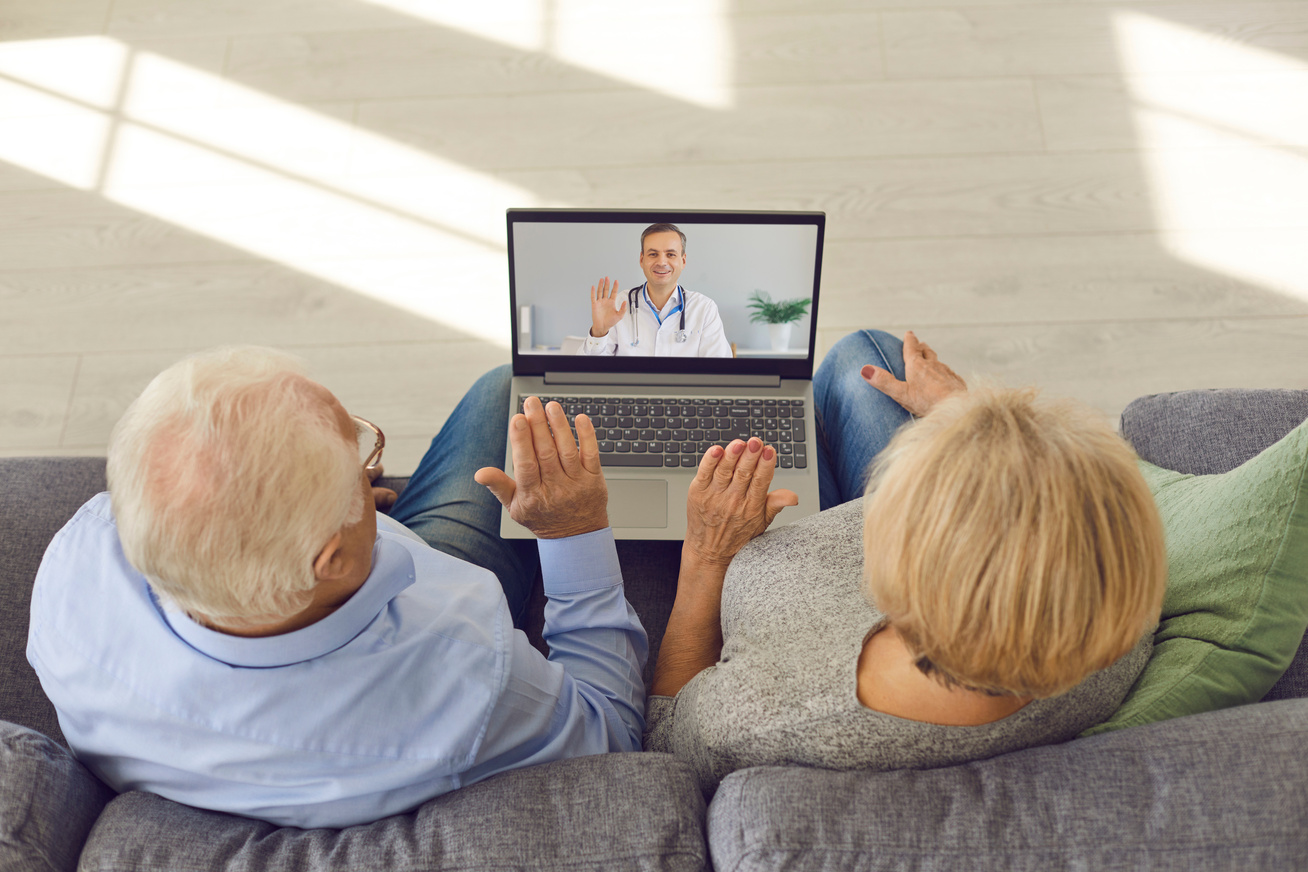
1105, 199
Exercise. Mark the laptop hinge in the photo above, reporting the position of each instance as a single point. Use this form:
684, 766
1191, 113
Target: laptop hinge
662, 379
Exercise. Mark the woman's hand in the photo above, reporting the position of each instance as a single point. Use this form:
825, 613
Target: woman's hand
729, 502
927, 381
728, 505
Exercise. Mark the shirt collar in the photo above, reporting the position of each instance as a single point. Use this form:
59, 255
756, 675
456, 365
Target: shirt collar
392, 572
678, 297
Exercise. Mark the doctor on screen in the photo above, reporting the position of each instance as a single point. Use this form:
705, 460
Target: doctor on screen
658, 318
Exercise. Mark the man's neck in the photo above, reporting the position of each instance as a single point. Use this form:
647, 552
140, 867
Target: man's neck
328, 596
660, 297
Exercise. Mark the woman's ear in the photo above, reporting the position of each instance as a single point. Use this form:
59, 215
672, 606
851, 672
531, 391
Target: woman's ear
330, 564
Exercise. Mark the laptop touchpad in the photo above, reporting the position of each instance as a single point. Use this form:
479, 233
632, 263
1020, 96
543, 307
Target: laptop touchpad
638, 503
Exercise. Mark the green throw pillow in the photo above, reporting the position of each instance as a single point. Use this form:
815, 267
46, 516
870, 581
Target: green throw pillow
1237, 586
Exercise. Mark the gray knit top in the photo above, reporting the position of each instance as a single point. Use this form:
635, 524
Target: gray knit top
794, 620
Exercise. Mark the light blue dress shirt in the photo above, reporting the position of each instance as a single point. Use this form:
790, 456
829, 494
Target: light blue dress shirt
417, 685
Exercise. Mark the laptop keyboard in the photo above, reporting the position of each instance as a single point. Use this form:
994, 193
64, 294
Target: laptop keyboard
651, 432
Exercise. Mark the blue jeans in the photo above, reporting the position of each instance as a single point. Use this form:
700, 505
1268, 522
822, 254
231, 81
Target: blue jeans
854, 419
453, 513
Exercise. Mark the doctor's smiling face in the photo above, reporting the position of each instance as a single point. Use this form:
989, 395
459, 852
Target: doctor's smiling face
662, 258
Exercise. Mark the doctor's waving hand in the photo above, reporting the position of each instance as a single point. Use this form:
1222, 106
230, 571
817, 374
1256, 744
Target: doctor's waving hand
658, 318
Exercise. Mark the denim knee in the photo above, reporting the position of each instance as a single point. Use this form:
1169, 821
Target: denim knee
856, 349
495, 379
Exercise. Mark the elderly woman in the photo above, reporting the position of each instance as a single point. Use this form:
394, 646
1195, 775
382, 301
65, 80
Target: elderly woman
994, 590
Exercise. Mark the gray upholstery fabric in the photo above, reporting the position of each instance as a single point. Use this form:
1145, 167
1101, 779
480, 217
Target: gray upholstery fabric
1222, 790
1293, 684
1210, 432
37, 496
48, 802
607, 813
1206, 432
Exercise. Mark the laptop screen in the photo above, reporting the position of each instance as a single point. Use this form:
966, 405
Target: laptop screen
664, 291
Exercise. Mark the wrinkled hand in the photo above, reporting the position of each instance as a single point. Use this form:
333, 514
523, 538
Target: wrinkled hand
605, 311
927, 381
729, 502
560, 490
384, 497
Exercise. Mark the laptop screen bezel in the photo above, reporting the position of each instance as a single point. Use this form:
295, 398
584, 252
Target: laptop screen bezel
787, 367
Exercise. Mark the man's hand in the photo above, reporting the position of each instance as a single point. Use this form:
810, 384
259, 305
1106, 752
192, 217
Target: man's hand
927, 381
605, 309
560, 489
729, 502
384, 497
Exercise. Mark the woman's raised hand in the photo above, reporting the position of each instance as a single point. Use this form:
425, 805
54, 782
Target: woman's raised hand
926, 382
729, 502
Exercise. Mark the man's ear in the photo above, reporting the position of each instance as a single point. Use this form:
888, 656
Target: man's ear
329, 565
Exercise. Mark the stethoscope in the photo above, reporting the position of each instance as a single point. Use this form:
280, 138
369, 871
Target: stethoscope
633, 300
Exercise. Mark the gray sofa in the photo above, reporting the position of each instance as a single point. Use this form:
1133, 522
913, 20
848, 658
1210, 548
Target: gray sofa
1224, 790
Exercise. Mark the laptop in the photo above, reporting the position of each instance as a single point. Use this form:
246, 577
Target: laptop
665, 384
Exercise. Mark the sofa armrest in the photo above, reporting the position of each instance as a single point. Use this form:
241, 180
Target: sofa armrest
1208, 432
48, 802
1221, 790
607, 813
37, 497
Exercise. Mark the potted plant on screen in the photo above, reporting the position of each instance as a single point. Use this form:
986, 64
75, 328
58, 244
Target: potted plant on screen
779, 316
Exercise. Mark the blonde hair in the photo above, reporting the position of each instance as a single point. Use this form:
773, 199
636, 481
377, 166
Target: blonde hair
227, 477
1013, 543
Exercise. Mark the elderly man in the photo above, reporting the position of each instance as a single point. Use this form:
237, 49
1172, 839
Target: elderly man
234, 625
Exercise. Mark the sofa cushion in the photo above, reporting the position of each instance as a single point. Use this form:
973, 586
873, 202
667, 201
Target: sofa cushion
1222, 790
1211, 432
48, 802
37, 496
608, 812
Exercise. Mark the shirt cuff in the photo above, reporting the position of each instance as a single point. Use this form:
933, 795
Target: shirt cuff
575, 564
594, 344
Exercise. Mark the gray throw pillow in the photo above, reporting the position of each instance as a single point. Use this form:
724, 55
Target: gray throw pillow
48, 802
610, 812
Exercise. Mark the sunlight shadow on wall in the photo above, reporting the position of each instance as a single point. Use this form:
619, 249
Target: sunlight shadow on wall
680, 48
1223, 129
287, 183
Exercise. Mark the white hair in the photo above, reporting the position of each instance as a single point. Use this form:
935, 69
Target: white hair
227, 477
